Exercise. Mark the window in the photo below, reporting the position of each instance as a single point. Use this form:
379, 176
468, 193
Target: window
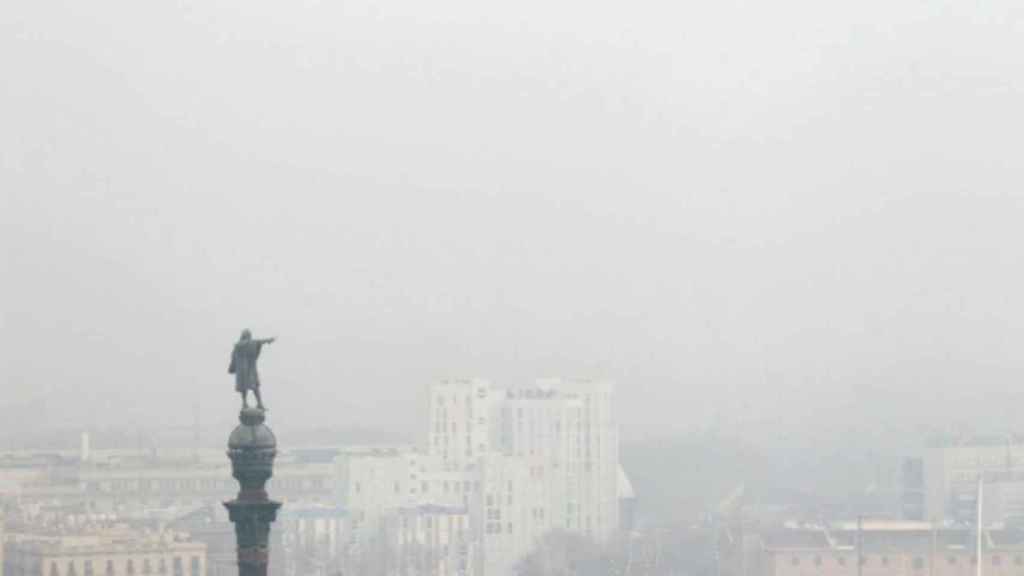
147, 566
1018, 560
88, 568
951, 560
795, 560
918, 563
841, 560
53, 569
817, 560
162, 568
129, 567
178, 568
110, 568
885, 560
194, 566
71, 569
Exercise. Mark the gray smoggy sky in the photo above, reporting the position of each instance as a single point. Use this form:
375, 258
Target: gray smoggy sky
798, 211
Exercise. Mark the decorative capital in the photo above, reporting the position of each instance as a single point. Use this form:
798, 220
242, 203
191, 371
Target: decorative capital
252, 416
247, 512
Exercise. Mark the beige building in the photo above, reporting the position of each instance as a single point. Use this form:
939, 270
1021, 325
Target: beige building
119, 552
887, 549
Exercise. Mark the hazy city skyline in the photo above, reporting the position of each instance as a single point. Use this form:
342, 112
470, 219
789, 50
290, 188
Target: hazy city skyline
806, 213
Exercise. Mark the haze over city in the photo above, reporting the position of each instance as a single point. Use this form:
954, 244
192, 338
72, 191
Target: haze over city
533, 288
798, 212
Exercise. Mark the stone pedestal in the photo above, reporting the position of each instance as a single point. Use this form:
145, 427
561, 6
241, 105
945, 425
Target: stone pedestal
252, 448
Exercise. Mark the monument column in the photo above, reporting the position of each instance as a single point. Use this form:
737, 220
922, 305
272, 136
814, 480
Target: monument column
251, 448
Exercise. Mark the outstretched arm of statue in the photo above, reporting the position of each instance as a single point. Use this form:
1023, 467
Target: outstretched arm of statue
266, 340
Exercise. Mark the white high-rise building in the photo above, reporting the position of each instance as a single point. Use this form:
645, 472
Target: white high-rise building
565, 433
518, 462
553, 464
504, 525
459, 422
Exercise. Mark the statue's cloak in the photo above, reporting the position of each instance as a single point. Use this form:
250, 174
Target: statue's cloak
243, 365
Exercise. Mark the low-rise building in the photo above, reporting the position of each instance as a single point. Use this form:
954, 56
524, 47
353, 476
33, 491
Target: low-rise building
878, 549
106, 485
111, 552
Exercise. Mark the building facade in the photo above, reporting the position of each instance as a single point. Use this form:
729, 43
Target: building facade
107, 553
459, 422
952, 468
431, 540
885, 549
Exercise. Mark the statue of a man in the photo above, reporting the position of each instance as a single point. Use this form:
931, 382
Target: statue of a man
243, 366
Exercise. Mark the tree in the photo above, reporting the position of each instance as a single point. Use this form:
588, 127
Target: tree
567, 554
